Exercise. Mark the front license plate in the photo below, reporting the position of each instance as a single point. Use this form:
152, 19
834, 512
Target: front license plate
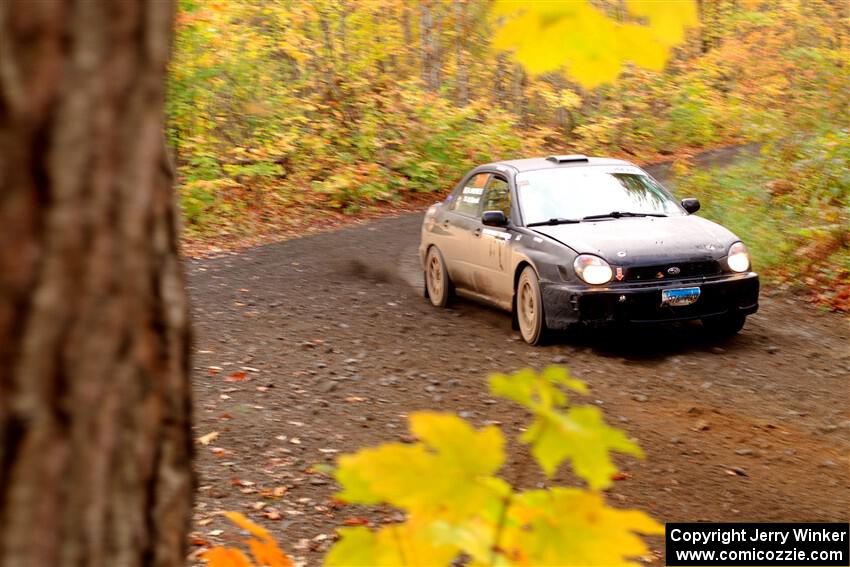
679, 297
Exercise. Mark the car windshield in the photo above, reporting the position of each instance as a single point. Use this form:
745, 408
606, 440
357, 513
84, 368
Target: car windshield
594, 191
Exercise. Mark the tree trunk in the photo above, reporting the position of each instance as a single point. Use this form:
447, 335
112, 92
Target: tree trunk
430, 24
436, 49
518, 94
95, 441
460, 40
330, 57
425, 42
407, 33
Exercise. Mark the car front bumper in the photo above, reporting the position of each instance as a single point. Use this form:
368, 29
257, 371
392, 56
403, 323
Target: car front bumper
566, 304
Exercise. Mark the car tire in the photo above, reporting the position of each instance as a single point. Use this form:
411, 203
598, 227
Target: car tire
529, 307
438, 286
725, 326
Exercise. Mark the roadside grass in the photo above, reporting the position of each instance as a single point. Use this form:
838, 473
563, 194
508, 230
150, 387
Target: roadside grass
734, 197
798, 246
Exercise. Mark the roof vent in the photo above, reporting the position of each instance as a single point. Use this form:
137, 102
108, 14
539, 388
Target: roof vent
568, 158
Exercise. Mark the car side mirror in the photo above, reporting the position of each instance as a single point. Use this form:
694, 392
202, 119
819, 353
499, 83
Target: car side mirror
494, 218
691, 205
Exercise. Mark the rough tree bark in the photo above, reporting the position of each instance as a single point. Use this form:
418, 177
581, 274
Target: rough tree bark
95, 442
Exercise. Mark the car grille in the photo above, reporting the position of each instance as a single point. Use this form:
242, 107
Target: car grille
662, 271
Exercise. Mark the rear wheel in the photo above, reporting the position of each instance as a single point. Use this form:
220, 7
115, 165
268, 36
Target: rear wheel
725, 326
529, 307
437, 282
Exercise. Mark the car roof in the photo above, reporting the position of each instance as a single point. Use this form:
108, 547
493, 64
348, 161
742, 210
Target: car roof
530, 164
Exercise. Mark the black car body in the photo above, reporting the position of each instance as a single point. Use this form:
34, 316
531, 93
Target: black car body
505, 217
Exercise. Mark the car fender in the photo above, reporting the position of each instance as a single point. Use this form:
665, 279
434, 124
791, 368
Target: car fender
544, 254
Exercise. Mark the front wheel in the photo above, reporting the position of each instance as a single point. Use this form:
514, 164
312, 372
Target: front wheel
437, 282
529, 307
725, 326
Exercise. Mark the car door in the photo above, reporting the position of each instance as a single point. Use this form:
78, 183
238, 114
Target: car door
491, 244
457, 225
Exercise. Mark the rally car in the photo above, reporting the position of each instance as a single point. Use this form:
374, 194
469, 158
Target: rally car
567, 240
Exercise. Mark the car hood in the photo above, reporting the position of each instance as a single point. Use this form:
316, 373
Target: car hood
638, 240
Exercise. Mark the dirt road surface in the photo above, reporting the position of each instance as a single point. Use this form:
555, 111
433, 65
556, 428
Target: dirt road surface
324, 344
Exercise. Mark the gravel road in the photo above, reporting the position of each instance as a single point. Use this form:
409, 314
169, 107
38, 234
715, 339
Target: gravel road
323, 344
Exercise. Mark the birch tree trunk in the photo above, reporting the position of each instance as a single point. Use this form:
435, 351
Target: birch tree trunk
95, 441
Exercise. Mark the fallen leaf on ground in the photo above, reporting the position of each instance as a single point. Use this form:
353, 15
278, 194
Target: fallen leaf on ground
237, 376
208, 438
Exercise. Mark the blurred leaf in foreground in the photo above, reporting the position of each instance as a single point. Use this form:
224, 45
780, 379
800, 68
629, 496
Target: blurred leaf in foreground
589, 45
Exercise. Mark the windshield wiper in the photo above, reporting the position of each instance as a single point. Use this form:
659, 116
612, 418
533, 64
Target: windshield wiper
618, 214
553, 222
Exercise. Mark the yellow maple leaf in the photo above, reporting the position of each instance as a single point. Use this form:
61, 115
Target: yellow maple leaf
409, 543
569, 526
425, 478
536, 391
581, 435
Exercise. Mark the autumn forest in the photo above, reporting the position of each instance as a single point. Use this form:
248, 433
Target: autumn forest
288, 115
258, 309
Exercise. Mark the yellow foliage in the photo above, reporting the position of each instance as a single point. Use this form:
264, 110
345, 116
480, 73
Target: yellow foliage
455, 505
568, 526
409, 543
581, 435
550, 36
426, 478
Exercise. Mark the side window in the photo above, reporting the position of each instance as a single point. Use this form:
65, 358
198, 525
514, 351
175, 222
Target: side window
497, 196
468, 200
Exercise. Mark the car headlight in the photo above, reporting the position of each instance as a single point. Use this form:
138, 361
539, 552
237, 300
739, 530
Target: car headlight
738, 258
592, 269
